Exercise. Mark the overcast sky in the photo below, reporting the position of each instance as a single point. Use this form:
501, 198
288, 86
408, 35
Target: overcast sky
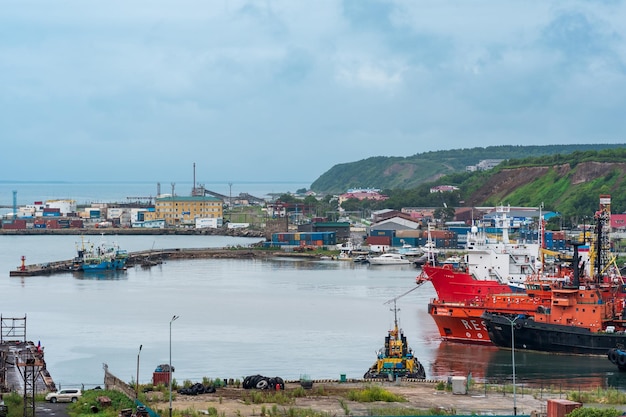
284, 90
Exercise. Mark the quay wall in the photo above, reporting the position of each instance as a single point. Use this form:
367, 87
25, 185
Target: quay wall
111, 382
136, 231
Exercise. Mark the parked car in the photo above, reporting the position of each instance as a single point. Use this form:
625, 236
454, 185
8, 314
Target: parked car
64, 395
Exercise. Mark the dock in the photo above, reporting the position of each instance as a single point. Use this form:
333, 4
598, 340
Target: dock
22, 364
145, 258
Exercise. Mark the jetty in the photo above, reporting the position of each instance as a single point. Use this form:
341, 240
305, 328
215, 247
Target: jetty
148, 258
22, 364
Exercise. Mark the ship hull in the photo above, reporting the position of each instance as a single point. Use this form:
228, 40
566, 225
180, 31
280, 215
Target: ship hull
453, 285
460, 324
462, 321
548, 337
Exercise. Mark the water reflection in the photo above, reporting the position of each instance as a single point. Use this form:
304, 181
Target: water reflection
112, 275
493, 365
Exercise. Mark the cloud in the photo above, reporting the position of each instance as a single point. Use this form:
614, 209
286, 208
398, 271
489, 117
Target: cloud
281, 89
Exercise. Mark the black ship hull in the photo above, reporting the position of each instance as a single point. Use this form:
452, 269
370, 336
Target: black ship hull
547, 337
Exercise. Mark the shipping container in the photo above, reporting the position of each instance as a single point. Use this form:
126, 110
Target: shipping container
52, 224
561, 408
378, 240
160, 378
409, 233
76, 224
51, 214
441, 234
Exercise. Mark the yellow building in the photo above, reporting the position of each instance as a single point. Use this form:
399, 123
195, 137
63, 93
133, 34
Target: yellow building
183, 211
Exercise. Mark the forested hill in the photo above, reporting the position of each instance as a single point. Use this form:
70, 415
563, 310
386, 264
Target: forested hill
409, 172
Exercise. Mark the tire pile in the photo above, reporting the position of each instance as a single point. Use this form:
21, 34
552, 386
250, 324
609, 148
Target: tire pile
197, 389
263, 382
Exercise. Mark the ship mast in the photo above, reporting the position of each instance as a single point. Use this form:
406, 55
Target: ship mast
394, 300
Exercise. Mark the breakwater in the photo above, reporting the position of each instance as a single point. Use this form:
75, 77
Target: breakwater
136, 232
149, 258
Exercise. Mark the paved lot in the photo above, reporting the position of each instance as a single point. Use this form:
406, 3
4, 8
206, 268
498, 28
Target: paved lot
49, 409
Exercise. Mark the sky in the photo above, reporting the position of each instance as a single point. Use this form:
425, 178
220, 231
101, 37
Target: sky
284, 90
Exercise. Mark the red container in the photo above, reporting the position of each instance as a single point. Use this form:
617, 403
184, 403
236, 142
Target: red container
561, 408
160, 378
379, 240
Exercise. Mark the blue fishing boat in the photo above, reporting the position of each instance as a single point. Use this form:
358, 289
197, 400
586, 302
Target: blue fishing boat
103, 257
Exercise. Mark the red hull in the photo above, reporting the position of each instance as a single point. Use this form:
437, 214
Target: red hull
460, 328
462, 322
455, 286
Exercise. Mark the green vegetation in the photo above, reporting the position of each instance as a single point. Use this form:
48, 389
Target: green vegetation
89, 404
397, 411
373, 393
599, 396
568, 183
410, 172
595, 412
15, 404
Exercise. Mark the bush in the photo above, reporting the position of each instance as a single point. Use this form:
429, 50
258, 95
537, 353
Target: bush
374, 393
595, 412
89, 400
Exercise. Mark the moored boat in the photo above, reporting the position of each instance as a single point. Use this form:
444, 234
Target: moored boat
487, 268
586, 316
389, 259
396, 358
101, 258
461, 321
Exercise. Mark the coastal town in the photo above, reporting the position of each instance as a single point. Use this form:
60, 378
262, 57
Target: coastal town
500, 277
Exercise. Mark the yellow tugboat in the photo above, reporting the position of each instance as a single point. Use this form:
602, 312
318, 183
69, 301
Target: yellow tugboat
396, 359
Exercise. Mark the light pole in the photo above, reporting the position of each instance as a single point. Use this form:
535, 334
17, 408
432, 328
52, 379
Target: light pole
513, 358
170, 367
137, 381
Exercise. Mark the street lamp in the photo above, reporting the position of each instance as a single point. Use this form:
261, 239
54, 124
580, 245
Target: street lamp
513, 357
137, 381
170, 368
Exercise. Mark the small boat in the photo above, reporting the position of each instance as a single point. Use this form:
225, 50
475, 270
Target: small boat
409, 250
454, 261
389, 259
360, 259
396, 358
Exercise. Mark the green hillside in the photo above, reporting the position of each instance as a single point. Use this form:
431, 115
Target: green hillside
566, 183
569, 184
412, 171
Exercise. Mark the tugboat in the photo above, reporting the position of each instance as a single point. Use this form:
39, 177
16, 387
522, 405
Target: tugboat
396, 359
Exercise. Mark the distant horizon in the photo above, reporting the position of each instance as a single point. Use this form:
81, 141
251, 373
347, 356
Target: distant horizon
198, 182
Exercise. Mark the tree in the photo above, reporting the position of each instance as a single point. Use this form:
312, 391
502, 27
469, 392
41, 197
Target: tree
444, 214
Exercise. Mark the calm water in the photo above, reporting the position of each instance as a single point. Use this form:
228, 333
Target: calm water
279, 317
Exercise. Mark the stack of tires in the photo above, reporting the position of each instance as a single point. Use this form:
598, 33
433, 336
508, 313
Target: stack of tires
197, 389
263, 382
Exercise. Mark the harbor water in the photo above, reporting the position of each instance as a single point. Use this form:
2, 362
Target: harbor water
276, 317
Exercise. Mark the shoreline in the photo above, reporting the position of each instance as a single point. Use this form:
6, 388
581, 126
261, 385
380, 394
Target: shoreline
136, 231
